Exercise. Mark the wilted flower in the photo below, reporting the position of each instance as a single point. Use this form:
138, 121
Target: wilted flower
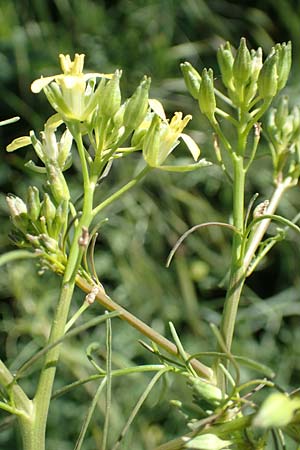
71, 93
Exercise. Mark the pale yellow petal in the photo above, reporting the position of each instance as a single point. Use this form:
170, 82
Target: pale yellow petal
40, 83
191, 145
18, 143
157, 107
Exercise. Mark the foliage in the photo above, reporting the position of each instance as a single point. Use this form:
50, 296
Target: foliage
145, 225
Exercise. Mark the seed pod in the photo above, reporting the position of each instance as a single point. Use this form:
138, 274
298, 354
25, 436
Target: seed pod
242, 66
207, 100
192, 79
137, 105
33, 203
225, 61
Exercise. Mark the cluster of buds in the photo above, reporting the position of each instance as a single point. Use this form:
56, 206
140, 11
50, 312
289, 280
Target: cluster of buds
283, 134
98, 107
39, 224
54, 154
108, 122
247, 78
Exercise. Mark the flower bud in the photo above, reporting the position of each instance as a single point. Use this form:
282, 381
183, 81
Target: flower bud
242, 66
141, 130
207, 391
192, 79
57, 183
61, 218
276, 411
48, 210
284, 53
256, 63
50, 243
151, 143
282, 111
33, 203
137, 105
225, 61
64, 149
206, 442
296, 117
267, 80
207, 100
18, 212
110, 100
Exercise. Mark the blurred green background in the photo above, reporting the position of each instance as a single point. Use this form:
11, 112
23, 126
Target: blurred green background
144, 37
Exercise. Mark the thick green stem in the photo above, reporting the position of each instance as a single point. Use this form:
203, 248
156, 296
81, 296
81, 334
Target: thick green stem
237, 273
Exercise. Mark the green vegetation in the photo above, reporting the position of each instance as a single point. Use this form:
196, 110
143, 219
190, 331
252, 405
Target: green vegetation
112, 391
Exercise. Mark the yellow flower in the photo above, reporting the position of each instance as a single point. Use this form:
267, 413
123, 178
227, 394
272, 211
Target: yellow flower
72, 93
162, 136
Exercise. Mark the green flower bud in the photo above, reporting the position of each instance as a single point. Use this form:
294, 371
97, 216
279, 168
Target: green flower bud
225, 61
296, 117
282, 111
33, 203
48, 210
119, 116
256, 63
207, 391
206, 442
267, 80
192, 79
141, 130
284, 53
276, 411
61, 218
110, 100
64, 149
287, 128
18, 212
57, 183
137, 105
50, 243
242, 67
151, 143
271, 125
207, 100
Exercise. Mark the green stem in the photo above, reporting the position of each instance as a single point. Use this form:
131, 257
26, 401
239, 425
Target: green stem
18, 396
237, 273
33, 429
